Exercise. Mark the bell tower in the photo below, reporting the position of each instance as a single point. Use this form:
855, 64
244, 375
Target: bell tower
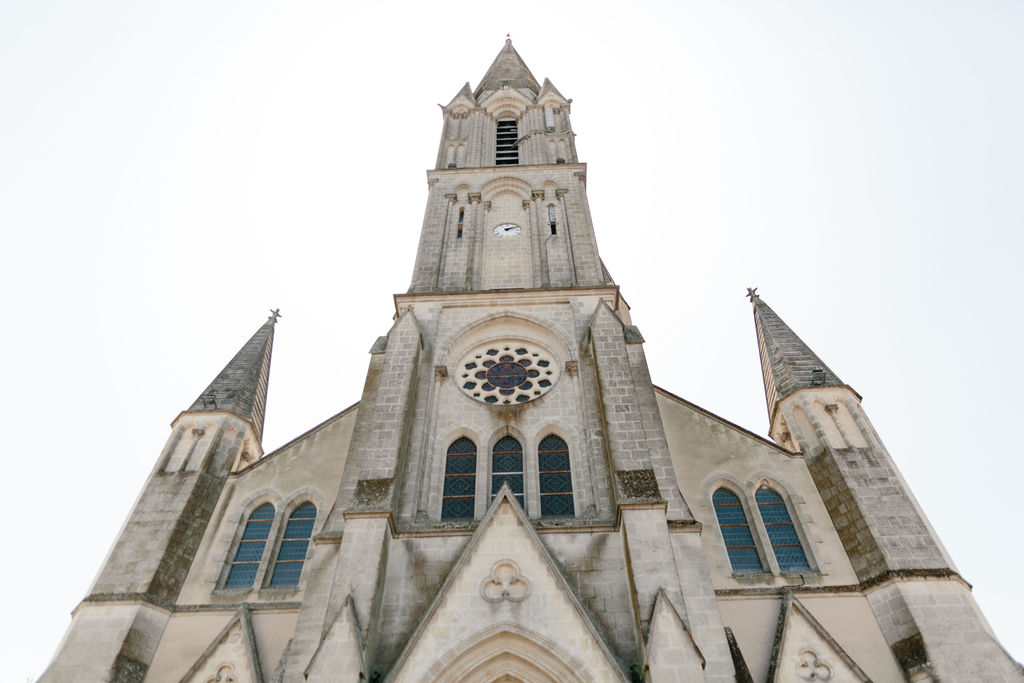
507, 207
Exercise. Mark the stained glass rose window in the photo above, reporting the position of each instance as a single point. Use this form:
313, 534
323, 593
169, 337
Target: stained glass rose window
507, 372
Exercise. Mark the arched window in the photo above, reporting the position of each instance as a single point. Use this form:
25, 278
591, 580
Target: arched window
555, 477
292, 554
506, 152
459, 496
507, 465
250, 548
781, 533
736, 532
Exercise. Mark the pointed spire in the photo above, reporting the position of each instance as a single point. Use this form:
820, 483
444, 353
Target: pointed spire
241, 387
509, 69
787, 363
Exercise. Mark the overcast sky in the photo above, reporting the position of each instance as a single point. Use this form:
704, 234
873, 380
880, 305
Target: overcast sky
170, 170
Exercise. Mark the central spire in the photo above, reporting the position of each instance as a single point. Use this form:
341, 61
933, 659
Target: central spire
508, 69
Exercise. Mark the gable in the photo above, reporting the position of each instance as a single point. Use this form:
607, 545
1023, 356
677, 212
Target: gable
232, 655
804, 650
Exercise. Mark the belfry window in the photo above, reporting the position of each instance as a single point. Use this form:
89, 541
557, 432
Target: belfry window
506, 152
250, 548
459, 496
507, 466
781, 532
462, 219
292, 554
555, 478
736, 532
552, 222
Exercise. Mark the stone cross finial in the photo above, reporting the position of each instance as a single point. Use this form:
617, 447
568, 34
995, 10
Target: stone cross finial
275, 313
752, 294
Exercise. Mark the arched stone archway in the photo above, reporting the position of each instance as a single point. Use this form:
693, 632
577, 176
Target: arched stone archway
506, 656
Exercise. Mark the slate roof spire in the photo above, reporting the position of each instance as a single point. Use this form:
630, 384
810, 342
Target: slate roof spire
787, 363
508, 68
241, 387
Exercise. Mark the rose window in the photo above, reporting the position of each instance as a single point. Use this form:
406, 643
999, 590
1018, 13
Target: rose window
507, 373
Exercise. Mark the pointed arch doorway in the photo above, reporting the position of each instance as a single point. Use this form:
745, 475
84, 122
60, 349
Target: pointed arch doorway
509, 654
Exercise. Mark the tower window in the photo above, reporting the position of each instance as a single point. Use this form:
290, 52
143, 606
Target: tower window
462, 218
292, 554
459, 495
250, 548
555, 478
507, 466
781, 532
736, 532
551, 219
506, 152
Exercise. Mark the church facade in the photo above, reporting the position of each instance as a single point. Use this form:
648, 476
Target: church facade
513, 499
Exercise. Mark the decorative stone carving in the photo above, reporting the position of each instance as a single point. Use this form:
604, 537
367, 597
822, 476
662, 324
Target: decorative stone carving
810, 667
225, 674
504, 583
198, 433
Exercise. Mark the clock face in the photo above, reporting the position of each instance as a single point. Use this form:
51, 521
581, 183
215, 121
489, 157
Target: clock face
507, 229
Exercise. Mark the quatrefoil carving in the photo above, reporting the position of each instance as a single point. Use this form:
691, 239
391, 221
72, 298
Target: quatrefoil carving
505, 583
811, 668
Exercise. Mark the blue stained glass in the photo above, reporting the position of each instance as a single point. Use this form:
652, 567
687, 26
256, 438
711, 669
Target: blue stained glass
299, 528
265, 511
515, 482
460, 480
506, 358
492, 352
739, 543
287, 574
250, 552
785, 542
293, 550
250, 549
553, 462
256, 530
543, 363
555, 482
457, 508
556, 506
462, 445
507, 462
470, 366
480, 374
525, 362
744, 560
522, 398
461, 464
544, 383
491, 399
469, 385
459, 486
242, 575
521, 352
555, 477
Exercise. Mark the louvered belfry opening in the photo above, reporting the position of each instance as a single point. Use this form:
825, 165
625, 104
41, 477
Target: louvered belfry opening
507, 153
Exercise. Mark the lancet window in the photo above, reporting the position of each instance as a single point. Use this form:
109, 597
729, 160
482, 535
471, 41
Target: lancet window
555, 477
250, 547
739, 543
507, 466
785, 543
459, 497
292, 554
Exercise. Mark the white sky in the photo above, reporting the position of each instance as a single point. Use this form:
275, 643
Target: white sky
170, 170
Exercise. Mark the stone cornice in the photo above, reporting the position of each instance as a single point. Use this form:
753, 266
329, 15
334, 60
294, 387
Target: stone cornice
498, 297
435, 173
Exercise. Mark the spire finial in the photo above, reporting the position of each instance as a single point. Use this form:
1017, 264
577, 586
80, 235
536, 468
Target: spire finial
275, 313
752, 294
